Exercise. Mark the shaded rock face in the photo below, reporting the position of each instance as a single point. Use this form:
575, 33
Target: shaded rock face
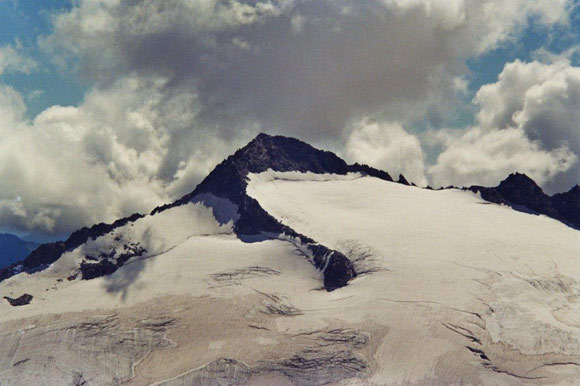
369, 171
403, 180
521, 192
92, 267
229, 180
102, 268
568, 204
19, 301
47, 254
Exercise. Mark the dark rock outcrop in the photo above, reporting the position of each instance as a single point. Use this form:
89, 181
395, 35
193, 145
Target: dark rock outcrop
568, 205
19, 301
47, 254
106, 264
403, 180
522, 193
91, 271
369, 171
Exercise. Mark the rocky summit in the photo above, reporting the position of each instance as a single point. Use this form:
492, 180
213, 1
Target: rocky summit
522, 193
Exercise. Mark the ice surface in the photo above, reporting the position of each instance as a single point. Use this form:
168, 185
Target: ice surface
455, 291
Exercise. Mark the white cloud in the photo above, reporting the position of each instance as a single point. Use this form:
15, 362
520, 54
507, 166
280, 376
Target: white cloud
480, 26
11, 60
529, 121
107, 158
389, 147
498, 102
485, 157
502, 20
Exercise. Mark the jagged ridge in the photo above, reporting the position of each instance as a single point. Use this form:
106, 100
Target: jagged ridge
520, 191
47, 254
229, 180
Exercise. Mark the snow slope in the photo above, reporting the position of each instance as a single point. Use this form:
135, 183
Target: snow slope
198, 288
451, 290
452, 271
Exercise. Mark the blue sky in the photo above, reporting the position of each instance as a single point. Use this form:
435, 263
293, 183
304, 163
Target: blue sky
486, 68
23, 22
168, 91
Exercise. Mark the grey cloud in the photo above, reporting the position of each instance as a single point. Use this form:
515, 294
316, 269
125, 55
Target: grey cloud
305, 68
75, 166
178, 85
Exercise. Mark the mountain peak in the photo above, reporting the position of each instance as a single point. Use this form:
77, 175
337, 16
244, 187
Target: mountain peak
287, 154
520, 188
403, 180
276, 152
521, 192
279, 153
575, 190
229, 181
283, 154
520, 179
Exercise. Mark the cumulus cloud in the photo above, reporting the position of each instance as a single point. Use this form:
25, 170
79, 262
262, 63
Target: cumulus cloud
484, 25
480, 157
389, 147
528, 121
109, 157
179, 84
299, 67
